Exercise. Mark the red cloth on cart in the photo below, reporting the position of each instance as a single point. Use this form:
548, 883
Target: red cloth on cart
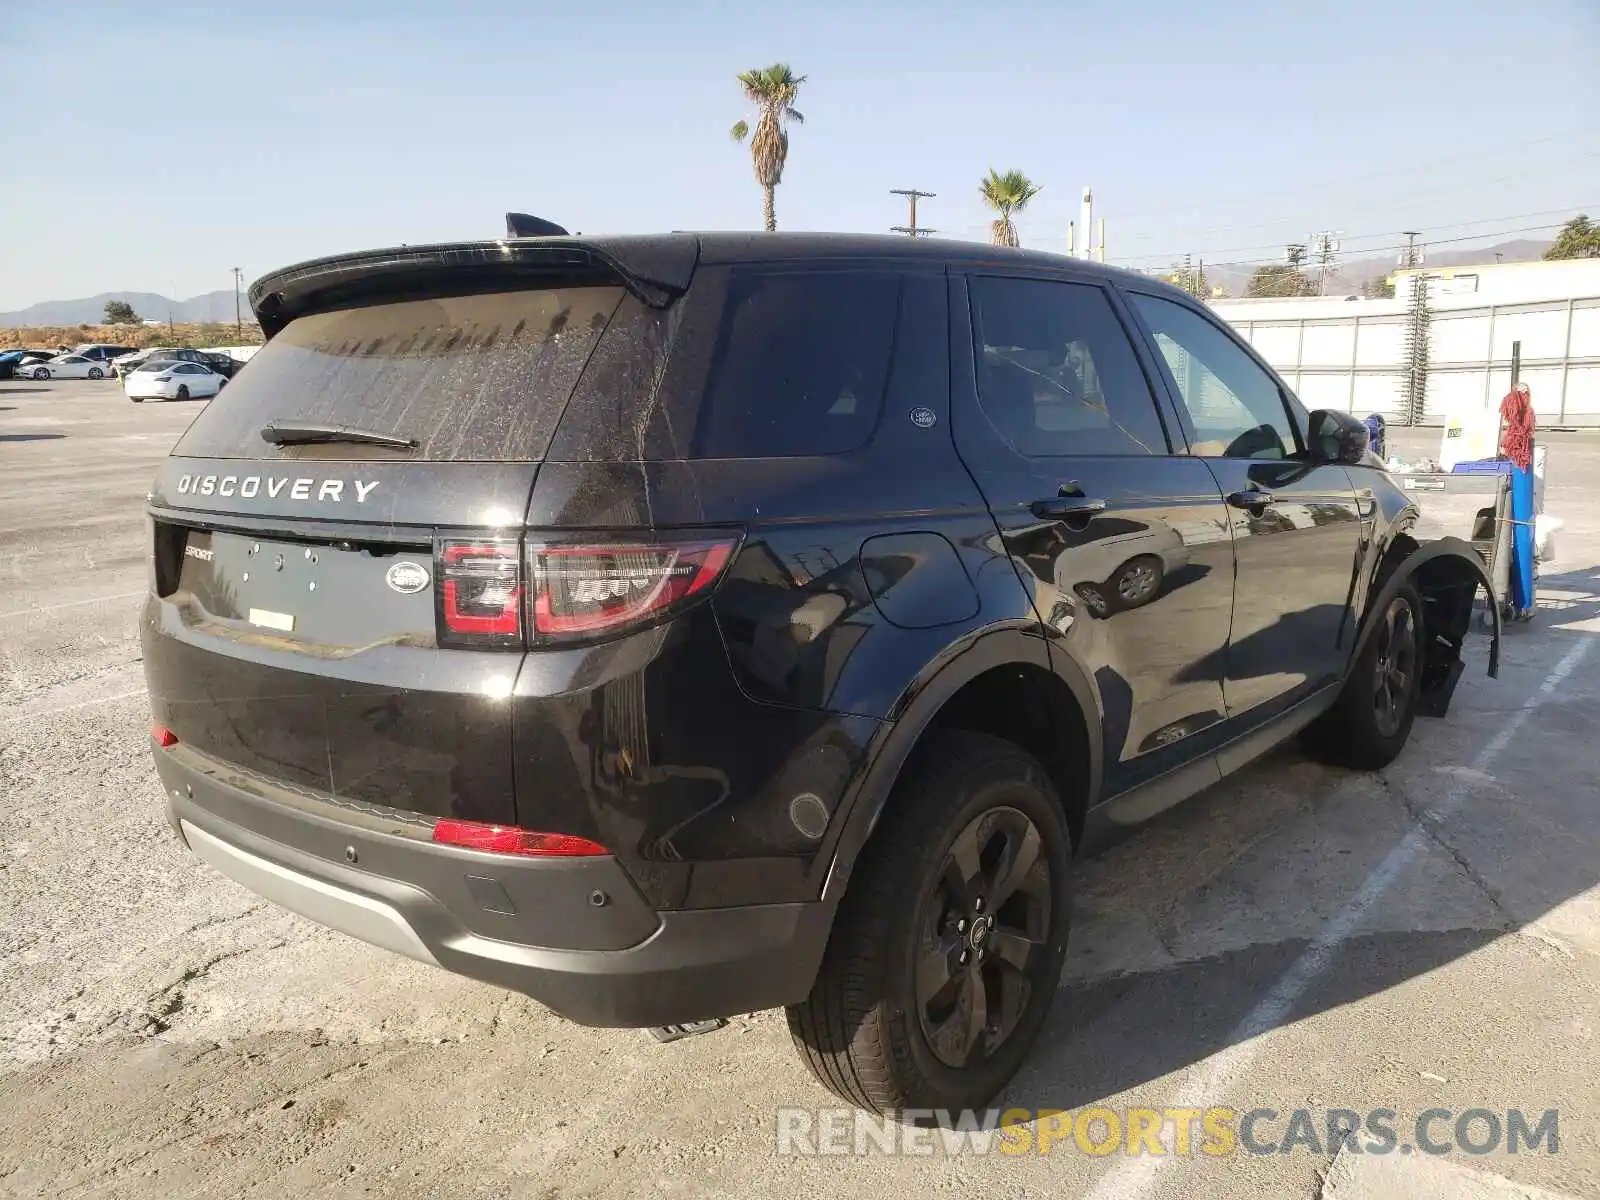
1516, 440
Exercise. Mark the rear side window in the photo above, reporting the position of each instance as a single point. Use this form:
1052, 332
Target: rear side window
1056, 372
799, 365
470, 378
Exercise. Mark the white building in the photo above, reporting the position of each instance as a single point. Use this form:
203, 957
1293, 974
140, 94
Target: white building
1350, 353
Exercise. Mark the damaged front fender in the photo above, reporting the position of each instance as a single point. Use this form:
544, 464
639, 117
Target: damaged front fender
1447, 573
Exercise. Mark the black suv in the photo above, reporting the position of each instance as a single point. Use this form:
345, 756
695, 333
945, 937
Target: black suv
677, 626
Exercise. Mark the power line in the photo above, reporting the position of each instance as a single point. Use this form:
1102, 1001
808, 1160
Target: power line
912, 227
1397, 247
1476, 156
1391, 197
1167, 255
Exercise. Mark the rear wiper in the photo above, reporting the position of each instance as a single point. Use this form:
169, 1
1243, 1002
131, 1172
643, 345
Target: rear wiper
306, 434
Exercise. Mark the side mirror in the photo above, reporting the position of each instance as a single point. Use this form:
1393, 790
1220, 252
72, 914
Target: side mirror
1338, 437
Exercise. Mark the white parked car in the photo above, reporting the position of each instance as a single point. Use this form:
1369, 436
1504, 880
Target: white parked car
65, 366
170, 379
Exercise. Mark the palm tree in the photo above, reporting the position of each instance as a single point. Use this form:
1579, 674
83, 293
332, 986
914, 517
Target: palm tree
1006, 194
772, 90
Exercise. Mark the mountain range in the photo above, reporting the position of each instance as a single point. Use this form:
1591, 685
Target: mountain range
1233, 278
91, 310
1348, 277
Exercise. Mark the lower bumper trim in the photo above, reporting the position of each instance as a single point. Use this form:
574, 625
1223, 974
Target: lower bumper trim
350, 912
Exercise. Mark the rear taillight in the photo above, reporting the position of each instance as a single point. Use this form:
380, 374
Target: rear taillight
573, 592
509, 839
480, 593
582, 591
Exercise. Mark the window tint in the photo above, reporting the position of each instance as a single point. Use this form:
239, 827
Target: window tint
1236, 407
799, 365
470, 378
1056, 373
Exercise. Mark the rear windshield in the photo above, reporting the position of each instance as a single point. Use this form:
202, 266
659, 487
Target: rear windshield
469, 378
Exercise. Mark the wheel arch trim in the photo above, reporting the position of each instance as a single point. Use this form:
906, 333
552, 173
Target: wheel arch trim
1019, 643
1463, 564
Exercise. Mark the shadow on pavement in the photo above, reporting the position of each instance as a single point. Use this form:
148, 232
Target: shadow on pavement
1110, 1034
31, 437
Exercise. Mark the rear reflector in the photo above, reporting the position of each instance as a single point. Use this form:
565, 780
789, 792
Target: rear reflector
580, 591
480, 593
163, 736
508, 839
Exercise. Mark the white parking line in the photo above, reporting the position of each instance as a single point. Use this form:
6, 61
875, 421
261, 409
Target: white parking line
23, 612
50, 712
1136, 1177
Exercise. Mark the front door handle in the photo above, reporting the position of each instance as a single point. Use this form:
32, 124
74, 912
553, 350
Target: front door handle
1251, 499
1067, 508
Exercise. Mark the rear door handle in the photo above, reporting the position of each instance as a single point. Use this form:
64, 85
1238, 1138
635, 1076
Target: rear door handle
1252, 499
1058, 508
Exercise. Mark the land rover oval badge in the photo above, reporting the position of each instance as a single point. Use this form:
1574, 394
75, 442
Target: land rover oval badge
407, 577
923, 418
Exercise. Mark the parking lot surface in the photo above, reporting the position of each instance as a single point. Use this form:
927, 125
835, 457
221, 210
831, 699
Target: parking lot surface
1297, 938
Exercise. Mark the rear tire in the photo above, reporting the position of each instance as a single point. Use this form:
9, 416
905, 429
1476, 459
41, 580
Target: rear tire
1370, 723
894, 1021
41, 373
183, 392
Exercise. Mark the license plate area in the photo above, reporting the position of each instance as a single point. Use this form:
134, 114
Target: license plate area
322, 592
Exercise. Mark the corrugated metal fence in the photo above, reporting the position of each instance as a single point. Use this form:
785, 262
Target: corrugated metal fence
1357, 362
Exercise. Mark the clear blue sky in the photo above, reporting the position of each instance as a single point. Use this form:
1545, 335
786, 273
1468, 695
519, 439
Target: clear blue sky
153, 146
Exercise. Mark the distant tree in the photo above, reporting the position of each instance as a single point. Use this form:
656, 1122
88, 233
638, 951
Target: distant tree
1006, 194
1280, 279
120, 312
773, 91
1579, 238
1378, 289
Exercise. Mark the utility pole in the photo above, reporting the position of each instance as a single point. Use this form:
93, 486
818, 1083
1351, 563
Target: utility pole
238, 318
1412, 257
912, 228
1325, 248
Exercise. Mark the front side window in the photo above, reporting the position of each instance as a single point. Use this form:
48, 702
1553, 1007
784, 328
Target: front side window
1235, 407
1056, 372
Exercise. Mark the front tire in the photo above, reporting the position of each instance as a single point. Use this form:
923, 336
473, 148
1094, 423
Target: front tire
1139, 580
1371, 721
96, 373
947, 949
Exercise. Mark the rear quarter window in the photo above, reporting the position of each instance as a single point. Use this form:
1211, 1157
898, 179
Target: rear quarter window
799, 365
471, 378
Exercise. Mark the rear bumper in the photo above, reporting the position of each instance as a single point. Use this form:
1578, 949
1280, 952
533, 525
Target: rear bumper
615, 961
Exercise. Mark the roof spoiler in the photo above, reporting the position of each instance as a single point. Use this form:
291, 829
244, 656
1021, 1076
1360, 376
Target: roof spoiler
519, 225
656, 269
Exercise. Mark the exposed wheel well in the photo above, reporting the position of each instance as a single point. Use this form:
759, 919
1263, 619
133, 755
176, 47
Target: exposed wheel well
1030, 707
